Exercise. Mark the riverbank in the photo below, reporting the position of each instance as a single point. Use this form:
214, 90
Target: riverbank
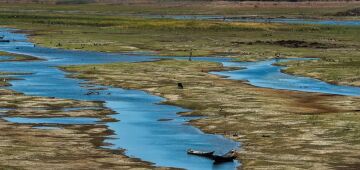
278, 129
16, 57
329, 70
61, 146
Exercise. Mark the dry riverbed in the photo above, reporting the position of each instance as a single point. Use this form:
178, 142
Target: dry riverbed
23, 146
278, 129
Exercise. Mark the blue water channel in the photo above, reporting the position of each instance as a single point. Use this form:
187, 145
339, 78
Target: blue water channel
266, 74
259, 20
138, 129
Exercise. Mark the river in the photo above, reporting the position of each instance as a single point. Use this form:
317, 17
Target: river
138, 129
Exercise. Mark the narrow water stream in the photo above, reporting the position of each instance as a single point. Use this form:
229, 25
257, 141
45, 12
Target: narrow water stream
259, 20
266, 74
139, 130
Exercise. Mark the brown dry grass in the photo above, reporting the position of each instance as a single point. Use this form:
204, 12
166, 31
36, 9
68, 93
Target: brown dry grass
70, 147
278, 129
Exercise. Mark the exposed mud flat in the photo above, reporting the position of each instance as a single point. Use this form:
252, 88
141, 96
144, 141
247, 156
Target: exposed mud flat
56, 146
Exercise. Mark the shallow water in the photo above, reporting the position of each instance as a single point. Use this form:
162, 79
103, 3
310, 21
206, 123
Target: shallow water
2, 58
53, 120
138, 129
46, 127
266, 74
261, 20
81, 108
299, 21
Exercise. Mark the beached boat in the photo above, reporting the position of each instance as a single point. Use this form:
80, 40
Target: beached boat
200, 153
228, 157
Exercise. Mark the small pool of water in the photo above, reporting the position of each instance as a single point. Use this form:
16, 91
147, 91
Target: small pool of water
57, 120
81, 108
47, 127
260, 20
297, 21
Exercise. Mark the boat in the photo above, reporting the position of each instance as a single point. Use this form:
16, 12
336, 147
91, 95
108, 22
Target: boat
228, 157
221, 159
2, 40
200, 153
